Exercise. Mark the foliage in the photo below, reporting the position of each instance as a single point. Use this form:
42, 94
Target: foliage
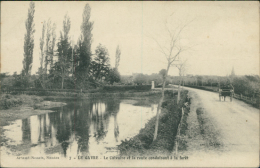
6, 81
118, 54
247, 85
73, 63
51, 50
3, 75
83, 50
50, 43
100, 65
62, 66
21, 81
113, 76
163, 73
8, 101
126, 146
29, 41
42, 45
140, 79
47, 47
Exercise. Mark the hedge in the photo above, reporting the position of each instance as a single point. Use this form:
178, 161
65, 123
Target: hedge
127, 88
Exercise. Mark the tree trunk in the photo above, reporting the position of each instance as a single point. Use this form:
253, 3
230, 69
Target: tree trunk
62, 83
179, 86
42, 82
159, 105
62, 79
182, 79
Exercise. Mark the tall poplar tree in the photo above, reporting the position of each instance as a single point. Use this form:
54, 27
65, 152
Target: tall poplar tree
118, 53
29, 41
64, 51
42, 45
53, 34
84, 46
42, 53
48, 39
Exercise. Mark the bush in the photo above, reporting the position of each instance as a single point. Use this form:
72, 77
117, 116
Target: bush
8, 101
129, 146
247, 85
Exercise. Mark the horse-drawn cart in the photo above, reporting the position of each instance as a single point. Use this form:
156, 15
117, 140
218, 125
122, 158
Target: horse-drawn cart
226, 90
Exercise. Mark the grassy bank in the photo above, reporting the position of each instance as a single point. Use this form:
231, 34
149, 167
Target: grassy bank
98, 94
7, 101
79, 92
182, 143
143, 144
13, 107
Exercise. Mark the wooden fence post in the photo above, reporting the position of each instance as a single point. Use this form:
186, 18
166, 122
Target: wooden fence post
178, 132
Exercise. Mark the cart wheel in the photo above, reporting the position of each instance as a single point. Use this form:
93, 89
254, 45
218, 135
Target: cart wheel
219, 98
231, 98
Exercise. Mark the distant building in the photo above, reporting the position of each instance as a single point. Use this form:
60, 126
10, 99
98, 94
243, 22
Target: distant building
232, 75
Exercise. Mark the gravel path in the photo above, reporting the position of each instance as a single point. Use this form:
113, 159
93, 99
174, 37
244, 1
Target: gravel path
221, 133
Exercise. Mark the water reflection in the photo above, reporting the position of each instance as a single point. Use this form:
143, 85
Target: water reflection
81, 128
26, 130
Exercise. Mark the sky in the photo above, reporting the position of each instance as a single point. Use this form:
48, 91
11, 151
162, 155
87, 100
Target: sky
219, 35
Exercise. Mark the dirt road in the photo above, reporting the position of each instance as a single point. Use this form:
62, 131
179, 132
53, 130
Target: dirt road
221, 133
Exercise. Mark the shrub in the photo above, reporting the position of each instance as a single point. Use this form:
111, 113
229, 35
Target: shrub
130, 146
8, 101
246, 85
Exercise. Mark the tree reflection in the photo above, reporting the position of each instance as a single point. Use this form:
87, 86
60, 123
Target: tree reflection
82, 129
101, 122
101, 133
26, 130
63, 129
26, 133
40, 128
116, 127
113, 107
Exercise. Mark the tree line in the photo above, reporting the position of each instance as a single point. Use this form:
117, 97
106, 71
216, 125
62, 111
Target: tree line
70, 66
247, 85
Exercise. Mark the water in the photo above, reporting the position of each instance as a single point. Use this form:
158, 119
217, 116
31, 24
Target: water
81, 128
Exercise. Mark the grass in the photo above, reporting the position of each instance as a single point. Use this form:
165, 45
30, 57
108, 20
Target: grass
7, 101
143, 144
97, 94
184, 127
207, 130
77, 92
